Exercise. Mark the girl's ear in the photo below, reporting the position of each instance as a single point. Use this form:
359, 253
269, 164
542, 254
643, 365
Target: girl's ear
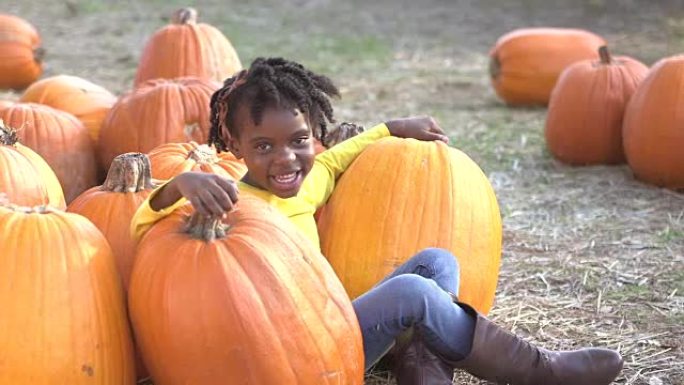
234, 147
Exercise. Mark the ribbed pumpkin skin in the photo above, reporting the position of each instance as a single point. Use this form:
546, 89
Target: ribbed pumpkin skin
20, 56
171, 159
25, 178
85, 100
64, 320
260, 306
187, 48
584, 121
60, 139
653, 131
158, 112
403, 195
525, 63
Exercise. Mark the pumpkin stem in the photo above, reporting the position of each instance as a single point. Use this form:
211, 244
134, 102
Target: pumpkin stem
341, 133
494, 67
604, 54
187, 15
39, 54
203, 154
205, 228
130, 172
8, 135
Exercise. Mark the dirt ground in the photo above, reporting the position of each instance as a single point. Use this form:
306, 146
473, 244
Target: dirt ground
591, 256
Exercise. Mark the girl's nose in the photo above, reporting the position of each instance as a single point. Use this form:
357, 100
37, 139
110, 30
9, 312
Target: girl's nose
286, 155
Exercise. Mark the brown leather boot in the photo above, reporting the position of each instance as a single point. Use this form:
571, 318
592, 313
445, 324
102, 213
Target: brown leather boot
415, 364
501, 357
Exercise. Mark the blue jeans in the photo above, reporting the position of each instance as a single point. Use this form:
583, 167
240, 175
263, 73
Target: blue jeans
416, 294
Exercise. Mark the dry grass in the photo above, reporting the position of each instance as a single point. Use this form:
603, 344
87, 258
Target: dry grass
591, 256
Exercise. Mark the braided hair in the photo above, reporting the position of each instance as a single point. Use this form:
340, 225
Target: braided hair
272, 82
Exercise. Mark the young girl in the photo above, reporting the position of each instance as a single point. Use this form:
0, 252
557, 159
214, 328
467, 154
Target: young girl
269, 115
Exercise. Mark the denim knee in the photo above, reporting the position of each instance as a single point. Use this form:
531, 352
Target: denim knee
412, 294
442, 260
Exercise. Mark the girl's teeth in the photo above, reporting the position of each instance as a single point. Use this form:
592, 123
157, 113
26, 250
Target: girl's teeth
286, 178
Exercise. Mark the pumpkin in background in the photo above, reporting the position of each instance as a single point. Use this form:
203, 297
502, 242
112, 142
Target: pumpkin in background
171, 159
187, 48
584, 121
20, 53
111, 206
64, 315
653, 131
158, 112
25, 178
403, 195
85, 100
250, 301
525, 63
60, 139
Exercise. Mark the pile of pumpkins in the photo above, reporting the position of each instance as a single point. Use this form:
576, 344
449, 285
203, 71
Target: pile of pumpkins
197, 300
601, 109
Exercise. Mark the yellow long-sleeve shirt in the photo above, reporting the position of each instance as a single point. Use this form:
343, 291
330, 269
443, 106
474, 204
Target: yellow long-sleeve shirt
315, 190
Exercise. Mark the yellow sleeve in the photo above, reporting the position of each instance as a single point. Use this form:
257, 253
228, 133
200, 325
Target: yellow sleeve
330, 164
145, 216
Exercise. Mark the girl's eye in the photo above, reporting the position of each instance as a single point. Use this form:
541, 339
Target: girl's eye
301, 140
262, 147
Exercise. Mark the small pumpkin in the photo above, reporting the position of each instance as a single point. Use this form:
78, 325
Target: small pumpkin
60, 139
248, 301
171, 159
64, 319
653, 131
584, 121
526, 63
187, 48
25, 178
20, 52
87, 101
403, 195
157, 112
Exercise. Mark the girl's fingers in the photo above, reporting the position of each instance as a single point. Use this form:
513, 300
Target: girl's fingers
198, 205
210, 203
221, 197
230, 187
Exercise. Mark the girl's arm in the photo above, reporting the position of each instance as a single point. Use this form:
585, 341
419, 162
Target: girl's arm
330, 164
210, 194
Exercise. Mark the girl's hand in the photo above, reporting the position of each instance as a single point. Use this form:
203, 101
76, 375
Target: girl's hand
209, 194
417, 127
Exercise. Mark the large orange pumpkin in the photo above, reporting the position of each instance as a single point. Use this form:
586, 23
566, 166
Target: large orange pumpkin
403, 195
249, 302
85, 100
584, 121
187, 48
111, 206
169, 160
653, 131
525, 63
25, 178
20, 53
159, 111
63, 315
60, 139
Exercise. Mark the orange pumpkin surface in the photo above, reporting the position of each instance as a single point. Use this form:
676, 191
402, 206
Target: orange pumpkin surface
403, 195
60, 139
584, 121
25, 178
157, 112
249, 302
526, 63
20, 53
85, 100
653, 131
64, 319
187, 48
169, 160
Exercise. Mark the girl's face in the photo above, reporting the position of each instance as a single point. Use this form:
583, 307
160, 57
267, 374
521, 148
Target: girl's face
278, 153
